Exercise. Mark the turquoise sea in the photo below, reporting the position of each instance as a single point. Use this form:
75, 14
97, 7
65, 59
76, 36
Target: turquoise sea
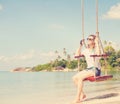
48, 87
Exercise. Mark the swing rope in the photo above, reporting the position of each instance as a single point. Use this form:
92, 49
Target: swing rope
99, 40
82, 11
97, 16
82, 19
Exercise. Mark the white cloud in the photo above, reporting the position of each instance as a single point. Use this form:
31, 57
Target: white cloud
113, 13
56, 26
1, 7
18, 57
3, 58
31, 55
30, 58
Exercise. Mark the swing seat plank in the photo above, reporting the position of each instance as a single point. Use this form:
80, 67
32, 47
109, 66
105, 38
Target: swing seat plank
79, 56
98, 78
102, 55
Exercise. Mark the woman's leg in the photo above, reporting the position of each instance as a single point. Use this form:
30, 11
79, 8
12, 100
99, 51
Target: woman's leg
75, 80
82, 96
78, 80
79, 90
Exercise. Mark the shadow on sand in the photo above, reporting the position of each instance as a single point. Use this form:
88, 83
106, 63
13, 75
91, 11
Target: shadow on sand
105, 89
103, 96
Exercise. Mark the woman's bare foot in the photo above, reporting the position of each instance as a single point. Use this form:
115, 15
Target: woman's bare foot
76, 101
82, 97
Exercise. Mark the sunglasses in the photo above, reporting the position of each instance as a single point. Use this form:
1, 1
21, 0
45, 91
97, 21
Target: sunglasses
90, 39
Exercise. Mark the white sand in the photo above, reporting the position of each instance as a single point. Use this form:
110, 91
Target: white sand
115, 99
107, 97
111, 96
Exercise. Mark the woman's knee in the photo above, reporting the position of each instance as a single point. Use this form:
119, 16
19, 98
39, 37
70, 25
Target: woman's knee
80, 78
74, 78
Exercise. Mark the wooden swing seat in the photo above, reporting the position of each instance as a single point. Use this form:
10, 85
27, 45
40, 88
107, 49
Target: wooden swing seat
102, 55
79, 56
98, 78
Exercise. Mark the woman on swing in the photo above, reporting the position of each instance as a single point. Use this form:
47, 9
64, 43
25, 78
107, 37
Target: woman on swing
93, 65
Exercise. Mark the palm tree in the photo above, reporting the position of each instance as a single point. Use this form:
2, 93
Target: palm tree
51, 63
69, 58
105, 42
59, 57
109, 44
56, 52
64, 52
56, 60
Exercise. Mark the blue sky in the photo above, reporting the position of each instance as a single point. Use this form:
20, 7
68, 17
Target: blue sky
31, 30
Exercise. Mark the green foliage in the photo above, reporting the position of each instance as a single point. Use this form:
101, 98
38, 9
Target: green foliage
72, 64
62, 63
109, 50
43, 67
118, 54
112, 62
83, 63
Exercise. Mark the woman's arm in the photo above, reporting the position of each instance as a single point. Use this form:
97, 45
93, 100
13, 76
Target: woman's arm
78, 52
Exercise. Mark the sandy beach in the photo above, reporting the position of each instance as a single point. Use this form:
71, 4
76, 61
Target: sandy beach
111, 96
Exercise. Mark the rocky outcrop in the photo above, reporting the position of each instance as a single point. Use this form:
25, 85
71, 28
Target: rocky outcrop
22, 69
